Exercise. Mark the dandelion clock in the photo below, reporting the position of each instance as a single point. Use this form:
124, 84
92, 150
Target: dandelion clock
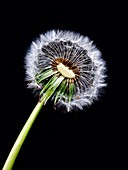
64, 67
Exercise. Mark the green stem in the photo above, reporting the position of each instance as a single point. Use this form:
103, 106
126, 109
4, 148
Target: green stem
17, 145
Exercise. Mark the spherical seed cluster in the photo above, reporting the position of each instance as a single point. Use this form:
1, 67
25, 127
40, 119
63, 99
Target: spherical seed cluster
66, 66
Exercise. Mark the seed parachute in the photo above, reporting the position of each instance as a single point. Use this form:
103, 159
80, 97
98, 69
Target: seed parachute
66, 67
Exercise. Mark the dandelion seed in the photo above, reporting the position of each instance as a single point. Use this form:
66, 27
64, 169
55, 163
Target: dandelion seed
66, 67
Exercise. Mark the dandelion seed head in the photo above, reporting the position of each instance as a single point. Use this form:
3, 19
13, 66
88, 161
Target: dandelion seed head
67, 67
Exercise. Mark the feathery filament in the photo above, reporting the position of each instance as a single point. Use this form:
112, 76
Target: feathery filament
66, 66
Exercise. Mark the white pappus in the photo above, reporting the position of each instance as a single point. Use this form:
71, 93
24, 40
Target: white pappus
67, 67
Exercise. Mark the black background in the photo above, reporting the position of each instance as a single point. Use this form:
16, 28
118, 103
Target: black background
95, 138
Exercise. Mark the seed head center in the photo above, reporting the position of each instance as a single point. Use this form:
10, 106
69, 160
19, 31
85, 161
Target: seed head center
65, 71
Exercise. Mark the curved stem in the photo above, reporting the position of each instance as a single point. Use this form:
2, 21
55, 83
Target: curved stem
17, 145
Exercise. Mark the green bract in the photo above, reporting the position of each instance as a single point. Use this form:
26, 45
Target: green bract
54, 83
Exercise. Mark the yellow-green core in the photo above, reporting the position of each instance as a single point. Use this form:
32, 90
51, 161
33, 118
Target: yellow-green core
65, 71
